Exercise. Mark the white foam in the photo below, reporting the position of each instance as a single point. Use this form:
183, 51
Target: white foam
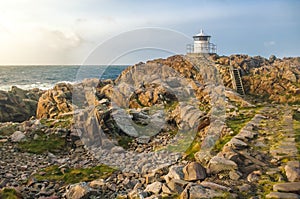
39, 85
42, 86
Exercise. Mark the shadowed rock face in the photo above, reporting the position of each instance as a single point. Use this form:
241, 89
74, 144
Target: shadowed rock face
18, 105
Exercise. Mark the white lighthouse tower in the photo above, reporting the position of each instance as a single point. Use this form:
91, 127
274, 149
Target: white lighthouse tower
202, 44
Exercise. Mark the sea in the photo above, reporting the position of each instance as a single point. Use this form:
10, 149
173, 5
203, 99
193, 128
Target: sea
46, 76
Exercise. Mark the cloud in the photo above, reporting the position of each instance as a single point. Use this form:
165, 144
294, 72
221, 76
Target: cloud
66, 31
58, 39
39, 45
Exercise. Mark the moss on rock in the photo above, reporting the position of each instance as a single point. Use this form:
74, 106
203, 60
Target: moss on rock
43, 143
74, 175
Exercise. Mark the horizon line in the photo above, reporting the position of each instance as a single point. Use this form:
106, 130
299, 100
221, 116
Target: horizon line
66, 64
123, 64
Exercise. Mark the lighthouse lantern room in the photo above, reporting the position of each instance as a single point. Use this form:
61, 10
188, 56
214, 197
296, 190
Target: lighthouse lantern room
202, 44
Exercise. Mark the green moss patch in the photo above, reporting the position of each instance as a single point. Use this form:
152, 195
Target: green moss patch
8, 130
182, 144
9, 193
124, 141
265, 185
296, 116
236, 124
58, 123
192, 149
296, 126
44, 143
74, 175
221, 142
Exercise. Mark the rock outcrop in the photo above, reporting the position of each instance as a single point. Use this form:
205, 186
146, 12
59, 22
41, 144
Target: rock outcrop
55, 102
64, 98
162, 125
273, 79
18, 105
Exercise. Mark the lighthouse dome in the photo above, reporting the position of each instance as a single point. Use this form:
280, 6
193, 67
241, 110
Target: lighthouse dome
202, 33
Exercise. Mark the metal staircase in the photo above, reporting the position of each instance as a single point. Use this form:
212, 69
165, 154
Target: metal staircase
237, 80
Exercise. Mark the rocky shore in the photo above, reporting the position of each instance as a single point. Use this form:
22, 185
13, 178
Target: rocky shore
168, 128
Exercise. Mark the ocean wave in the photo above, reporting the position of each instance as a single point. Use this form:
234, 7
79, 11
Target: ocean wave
45, 77
39, 85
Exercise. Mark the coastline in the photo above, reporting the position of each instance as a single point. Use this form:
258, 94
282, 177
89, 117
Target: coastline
46, 76
109, 132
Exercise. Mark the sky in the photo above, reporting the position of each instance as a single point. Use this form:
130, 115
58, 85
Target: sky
70, 31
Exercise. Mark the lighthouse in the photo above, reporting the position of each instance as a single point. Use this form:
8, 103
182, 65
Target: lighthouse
202, 44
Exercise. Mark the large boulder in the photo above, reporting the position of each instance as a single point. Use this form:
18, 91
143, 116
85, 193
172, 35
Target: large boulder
55, 101
17, 136
196, 191
194, 171
64, 98
177, 186
155, 187
220, 164
79, 191
175, 172
18, 105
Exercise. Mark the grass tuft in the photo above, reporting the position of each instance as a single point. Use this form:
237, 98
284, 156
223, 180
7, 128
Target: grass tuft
192, 149
8, 130
296, 126
57, 123
9, 193
296, 116
44, 143
74, 175
236, 124
124, 141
